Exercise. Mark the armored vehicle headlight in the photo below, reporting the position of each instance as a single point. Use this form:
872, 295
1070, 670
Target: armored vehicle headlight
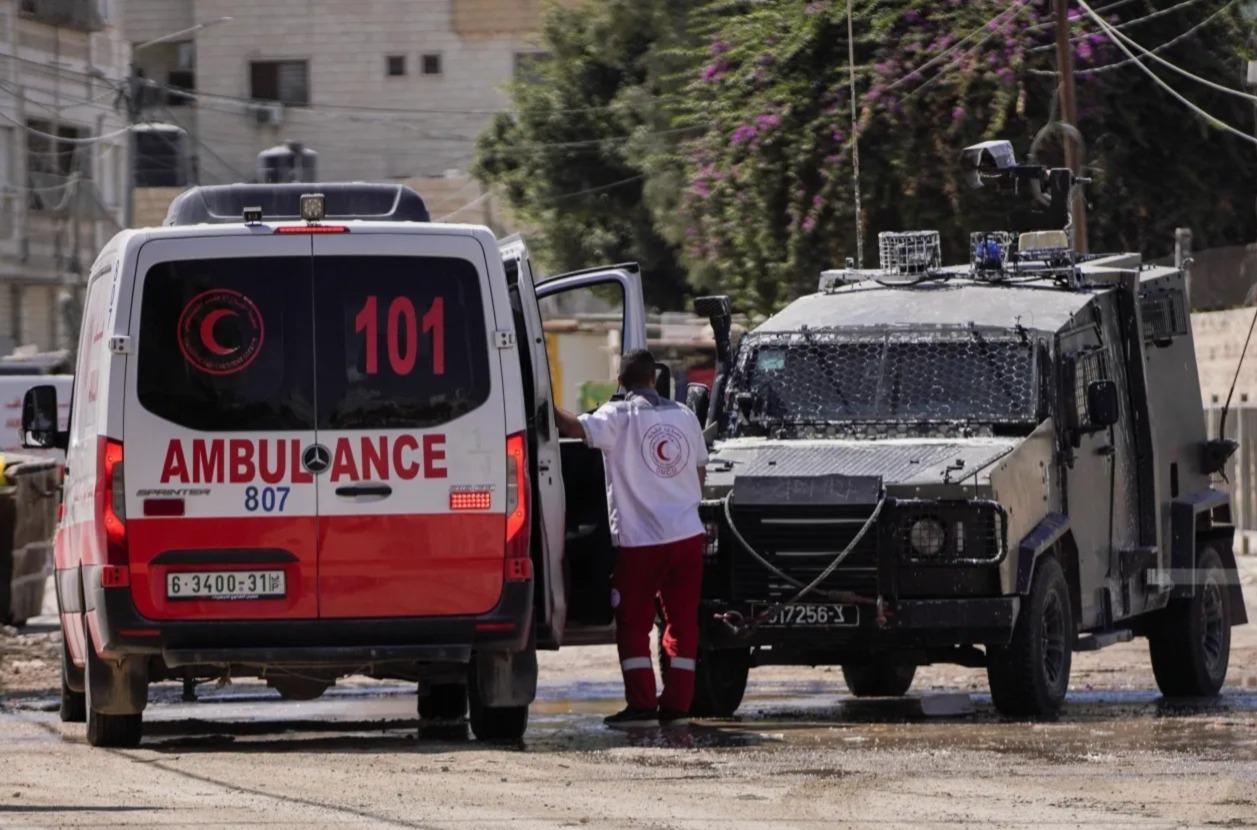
927, 536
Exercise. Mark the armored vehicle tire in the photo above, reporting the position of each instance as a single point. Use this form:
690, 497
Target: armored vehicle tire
720, 677
444, 702
121, 731
1030, 675
73, 704
495, 723
879, 679
298, 688
1190, 642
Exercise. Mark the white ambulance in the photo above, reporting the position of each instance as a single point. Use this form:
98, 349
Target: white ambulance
312, 435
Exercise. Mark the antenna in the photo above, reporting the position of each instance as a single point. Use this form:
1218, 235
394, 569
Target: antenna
855, 141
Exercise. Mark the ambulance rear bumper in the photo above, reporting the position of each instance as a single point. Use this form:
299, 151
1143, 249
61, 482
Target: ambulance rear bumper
310, 642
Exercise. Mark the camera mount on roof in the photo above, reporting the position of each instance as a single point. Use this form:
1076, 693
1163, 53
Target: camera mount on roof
254, 203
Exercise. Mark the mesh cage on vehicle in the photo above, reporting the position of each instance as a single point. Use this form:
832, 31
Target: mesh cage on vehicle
848, 377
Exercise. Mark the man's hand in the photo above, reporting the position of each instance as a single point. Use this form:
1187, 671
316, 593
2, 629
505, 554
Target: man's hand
569, 425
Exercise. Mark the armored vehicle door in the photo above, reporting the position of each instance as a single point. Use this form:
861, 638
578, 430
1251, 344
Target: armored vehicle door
1099, 480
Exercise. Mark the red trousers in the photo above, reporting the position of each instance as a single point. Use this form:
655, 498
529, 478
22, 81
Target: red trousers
673, 573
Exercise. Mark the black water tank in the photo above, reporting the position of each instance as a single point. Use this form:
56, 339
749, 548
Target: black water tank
291, 161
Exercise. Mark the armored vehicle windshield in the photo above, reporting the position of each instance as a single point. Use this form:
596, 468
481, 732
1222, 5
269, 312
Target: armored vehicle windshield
836, 378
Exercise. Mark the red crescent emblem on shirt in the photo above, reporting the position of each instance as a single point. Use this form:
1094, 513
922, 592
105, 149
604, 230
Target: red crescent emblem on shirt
665, 450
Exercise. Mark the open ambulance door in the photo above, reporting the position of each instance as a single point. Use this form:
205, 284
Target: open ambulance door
587, 533
550, 601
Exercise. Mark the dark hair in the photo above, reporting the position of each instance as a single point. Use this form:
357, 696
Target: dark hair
637, 369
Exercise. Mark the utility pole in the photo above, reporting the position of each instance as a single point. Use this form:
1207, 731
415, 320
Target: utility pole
1069, 114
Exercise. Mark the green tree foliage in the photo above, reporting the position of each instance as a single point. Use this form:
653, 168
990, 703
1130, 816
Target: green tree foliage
769, 197
564, 155
743, 131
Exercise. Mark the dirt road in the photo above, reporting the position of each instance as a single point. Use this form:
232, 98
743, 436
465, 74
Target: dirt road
801, 755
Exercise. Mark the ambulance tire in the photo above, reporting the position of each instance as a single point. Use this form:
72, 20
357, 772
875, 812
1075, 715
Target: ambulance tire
879, 679
114, 731
495, 723
444, 702
73, 704
1190, 641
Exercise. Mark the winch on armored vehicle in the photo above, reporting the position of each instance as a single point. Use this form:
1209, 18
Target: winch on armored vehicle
991, 465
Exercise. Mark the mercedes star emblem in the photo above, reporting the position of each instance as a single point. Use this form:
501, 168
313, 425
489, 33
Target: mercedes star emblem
316, 458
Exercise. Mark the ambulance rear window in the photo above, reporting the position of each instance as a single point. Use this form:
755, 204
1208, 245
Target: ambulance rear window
402, 341
226, 344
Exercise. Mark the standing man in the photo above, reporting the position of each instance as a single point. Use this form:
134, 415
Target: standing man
655, 455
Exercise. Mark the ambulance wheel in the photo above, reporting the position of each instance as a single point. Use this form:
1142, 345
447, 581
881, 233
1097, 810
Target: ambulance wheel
879, 679
495, 723
720, 677
298, 688
1030, 676
104, 730
73, 704
444, 702
1190, 643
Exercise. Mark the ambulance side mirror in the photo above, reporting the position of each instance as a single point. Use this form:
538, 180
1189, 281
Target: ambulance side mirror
39, 420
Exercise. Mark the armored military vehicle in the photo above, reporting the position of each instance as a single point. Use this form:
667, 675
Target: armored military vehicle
995, 465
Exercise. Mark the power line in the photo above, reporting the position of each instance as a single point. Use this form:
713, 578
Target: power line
984, 27
1169, 43
1116, 38
64, 140
1125, 24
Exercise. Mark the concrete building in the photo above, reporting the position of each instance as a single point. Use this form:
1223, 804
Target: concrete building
383, 90
63, 158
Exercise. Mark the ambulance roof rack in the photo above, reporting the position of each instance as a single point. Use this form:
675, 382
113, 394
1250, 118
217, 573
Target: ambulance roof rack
226, 204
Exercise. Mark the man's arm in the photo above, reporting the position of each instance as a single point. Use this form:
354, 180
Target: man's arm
569, 425
702, 477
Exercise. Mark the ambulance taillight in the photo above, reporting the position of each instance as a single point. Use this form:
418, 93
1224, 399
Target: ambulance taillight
518, 566
111, 515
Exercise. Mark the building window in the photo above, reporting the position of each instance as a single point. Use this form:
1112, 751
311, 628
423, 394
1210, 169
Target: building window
176, 80
50, 162
528, 65
395, 66
431, 64
284, 81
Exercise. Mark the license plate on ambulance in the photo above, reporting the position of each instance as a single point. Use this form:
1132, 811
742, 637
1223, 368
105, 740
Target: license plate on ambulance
225, 585
811, 616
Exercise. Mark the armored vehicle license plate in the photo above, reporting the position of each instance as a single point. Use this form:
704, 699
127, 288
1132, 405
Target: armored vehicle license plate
811, 616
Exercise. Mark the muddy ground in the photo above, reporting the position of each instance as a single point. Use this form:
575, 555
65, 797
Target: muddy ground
800, 755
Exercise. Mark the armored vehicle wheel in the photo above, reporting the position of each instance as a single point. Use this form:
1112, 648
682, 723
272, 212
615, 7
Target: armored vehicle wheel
720, 677
1190, 642
106, 730
495, 723
879, 679
298, 688
444, 702
73, 704
1030, 675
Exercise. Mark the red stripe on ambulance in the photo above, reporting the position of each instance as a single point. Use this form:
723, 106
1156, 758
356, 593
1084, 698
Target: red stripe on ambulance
278, 460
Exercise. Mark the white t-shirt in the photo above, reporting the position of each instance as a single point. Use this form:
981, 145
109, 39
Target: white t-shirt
652, 448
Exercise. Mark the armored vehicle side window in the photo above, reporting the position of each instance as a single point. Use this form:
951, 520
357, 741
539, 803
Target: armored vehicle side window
1089, 366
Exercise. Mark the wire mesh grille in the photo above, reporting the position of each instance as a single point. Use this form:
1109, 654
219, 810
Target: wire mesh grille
1164, 314
909, 252
888, 377
990, 250
1088, 368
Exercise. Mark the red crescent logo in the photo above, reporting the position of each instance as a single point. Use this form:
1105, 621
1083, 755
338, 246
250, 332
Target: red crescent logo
665, 450
207, 331
660, 451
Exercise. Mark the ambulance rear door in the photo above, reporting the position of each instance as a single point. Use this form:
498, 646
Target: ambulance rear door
411, 466
218, 406
548, 543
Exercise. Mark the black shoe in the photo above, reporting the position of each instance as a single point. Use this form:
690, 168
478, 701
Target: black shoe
633, 717
673, 717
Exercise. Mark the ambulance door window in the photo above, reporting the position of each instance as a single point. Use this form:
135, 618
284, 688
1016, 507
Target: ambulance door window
402, 341
225, 344
586, 327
